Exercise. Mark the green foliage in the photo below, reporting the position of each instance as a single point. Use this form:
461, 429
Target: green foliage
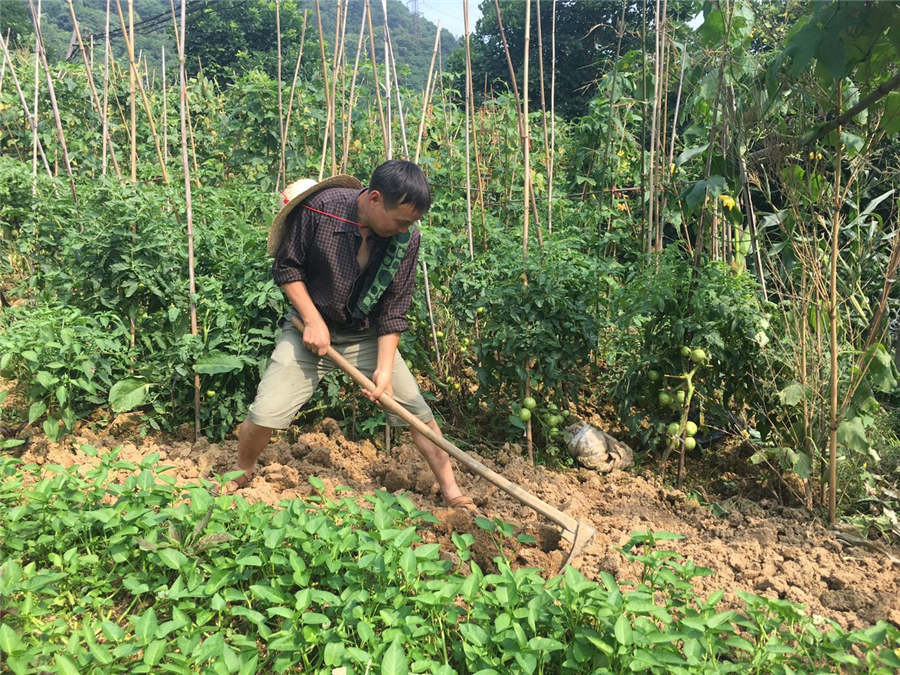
548, 325
668, 305
144, 576
68, 360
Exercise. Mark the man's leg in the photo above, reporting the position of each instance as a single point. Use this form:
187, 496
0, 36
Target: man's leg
438, 460
252, 440
290, 378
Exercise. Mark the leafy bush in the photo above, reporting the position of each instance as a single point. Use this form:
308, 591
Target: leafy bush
669, 305
548, 325
144, 576
68, 360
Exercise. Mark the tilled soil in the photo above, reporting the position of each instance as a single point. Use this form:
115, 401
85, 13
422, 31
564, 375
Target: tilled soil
779, 552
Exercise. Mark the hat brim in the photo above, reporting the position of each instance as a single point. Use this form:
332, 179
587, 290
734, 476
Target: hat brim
276, 231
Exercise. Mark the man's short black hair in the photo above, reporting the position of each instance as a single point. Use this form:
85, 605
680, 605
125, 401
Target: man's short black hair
401, 182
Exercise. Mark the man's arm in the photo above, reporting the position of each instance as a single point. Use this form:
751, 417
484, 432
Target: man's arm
316, 336
384, 365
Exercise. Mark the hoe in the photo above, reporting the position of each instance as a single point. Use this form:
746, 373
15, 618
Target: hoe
577, 532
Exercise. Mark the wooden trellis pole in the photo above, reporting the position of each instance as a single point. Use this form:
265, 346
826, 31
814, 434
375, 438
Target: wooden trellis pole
37, 89
53, 104
348, 126
385, 130
526, 160
7, 59
137, 78
393, 62
165, 108
105, 86
95, 99
429, 86
468, 102
287, 123
281, 178
552, 121
327, 87
189, 213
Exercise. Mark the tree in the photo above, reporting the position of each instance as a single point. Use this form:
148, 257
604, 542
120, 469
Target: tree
586, 42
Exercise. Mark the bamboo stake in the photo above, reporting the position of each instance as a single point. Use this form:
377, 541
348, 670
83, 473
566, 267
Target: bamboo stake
468, 121
95, 99
552, 122
527, 190
3, 64
165, 109
281, 178
437, 349
337, 61
131, 95
429, 89
340, 67
544, 108
348, 127
105, 109
832, 317
190, 123
393, 62
53, 104
327, 87
287, 124
7, 59
189, 214
654, 118
37, 88
387, 100
385, 131
133, 70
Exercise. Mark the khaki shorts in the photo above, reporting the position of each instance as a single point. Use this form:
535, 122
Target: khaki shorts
294, 373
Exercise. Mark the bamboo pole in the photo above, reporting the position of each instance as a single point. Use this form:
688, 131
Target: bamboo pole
37, 88
165, 109
467, 131
3, 63
526, 157
327, 87
552, 122
7, 59
654, 119
393, 62
385, 131
337, 70
387, 100
136, 77
832, 317
340, 66
437, 349
190, 124
544, 107
53, 104
281, 177
95, 99
429, 89
287, 123
131, 94
189, 214
348, 127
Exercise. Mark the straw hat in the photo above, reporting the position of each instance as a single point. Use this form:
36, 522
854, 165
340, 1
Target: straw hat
295, 193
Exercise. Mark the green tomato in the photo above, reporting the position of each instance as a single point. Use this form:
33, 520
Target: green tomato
690, 428
210, 393
690, 443
554, 421
480, 310
529, 403
698, 356
653, 375
524, 414
665, 398
685, 351
673, 429
679, 396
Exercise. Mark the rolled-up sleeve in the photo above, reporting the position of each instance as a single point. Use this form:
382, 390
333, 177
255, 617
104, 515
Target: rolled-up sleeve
394, 306
290, 260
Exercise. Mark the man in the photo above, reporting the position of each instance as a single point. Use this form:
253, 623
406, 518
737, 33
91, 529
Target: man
345, 257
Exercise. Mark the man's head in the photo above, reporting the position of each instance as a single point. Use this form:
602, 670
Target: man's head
397, 196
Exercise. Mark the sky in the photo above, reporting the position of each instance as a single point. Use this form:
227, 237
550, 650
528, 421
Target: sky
449, 13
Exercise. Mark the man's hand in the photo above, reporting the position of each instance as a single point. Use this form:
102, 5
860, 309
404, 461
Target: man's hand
316, 337
382, 380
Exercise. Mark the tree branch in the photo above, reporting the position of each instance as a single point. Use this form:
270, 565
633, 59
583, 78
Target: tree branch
879, 92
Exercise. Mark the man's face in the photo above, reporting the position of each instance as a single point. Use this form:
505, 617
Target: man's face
384, 221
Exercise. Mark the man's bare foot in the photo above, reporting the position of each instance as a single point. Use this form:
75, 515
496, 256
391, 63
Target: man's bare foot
463, 502
243, 480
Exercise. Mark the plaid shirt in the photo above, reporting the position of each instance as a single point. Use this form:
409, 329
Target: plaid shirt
321, 252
